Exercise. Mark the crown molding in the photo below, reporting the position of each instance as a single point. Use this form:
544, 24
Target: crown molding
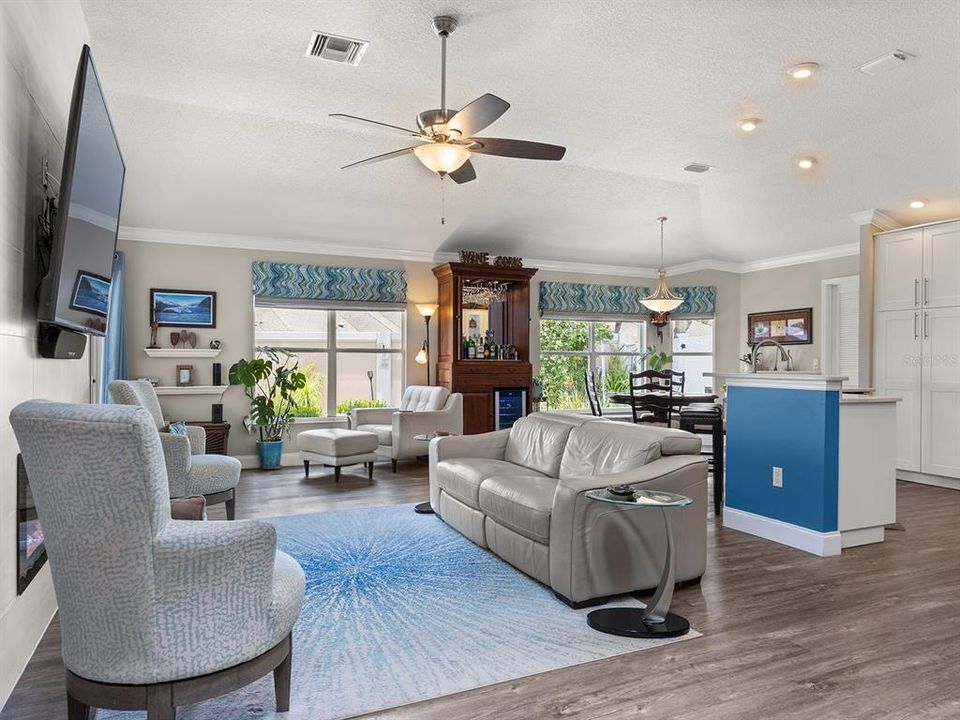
876, 218
837, 251
319, 247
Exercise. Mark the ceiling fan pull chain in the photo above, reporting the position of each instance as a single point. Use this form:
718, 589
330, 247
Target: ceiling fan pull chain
443, 201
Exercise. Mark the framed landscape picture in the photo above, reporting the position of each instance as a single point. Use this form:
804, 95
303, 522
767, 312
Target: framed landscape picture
183, 308
91, 293
787, 327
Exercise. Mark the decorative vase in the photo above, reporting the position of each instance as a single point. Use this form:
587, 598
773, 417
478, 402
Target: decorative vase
270, 452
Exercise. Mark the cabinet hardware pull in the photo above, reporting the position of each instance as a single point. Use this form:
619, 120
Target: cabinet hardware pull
926, 330
916, 292
926, 291
916, 318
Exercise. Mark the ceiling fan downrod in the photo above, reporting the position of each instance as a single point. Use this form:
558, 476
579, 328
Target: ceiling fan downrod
445, 26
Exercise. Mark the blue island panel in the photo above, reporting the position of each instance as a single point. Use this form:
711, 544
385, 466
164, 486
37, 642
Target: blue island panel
797, 430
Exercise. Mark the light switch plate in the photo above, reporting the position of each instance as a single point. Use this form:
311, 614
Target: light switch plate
778, 477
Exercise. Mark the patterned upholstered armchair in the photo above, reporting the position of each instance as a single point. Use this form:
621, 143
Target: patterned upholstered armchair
154, 612
189, 470
424, 409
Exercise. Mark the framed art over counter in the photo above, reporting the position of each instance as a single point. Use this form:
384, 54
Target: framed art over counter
787, 327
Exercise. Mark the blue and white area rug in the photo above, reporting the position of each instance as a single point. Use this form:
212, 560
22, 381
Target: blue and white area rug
400, 608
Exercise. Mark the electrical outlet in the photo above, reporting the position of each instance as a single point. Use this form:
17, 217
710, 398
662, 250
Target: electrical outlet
778, 477
816, 363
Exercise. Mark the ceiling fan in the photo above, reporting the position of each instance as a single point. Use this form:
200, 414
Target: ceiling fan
447, 136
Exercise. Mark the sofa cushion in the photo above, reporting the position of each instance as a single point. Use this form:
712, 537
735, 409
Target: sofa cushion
606, 448
522, 503
537, 444
461, 477
337, 442
423, 398
384, 433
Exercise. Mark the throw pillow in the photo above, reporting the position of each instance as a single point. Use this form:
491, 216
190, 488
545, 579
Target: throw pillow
178, 428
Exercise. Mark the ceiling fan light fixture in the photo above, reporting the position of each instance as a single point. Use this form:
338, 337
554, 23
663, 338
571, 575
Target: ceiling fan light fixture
442, 158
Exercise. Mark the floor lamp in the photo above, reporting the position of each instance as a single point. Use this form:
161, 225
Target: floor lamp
423, 357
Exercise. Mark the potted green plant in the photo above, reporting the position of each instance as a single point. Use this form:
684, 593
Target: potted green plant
658, 359
270, 379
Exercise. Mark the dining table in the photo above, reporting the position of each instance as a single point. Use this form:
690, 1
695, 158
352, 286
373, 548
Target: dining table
679, 399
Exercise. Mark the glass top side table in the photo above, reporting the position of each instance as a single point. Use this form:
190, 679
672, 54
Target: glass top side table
425, 508
655, 620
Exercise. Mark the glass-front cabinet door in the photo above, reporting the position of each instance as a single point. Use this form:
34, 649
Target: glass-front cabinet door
485, 320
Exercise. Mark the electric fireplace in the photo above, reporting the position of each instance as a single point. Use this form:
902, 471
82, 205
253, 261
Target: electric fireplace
31, 552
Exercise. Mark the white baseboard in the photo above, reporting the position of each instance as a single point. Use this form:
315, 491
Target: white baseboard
927, 479
801, 538
862, 536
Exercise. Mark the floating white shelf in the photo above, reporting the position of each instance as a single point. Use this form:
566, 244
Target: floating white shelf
181, 352
191, 389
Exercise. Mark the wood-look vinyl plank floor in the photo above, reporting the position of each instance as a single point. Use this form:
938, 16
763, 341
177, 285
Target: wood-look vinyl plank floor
872, 634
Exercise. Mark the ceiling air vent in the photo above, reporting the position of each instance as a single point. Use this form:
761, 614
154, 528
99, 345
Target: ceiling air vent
698, 167
344, 50
886, 62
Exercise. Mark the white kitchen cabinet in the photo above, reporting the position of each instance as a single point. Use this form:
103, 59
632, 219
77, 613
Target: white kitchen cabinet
917, 343
899, 267
940, 399
941, 265
899, 374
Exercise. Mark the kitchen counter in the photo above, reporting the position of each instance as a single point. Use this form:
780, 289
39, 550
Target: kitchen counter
807, 465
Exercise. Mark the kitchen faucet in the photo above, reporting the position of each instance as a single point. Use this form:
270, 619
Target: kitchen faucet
784, 355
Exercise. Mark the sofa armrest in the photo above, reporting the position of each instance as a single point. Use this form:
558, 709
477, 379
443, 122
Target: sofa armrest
371, 416
407, 425
491, 445
176, 457
578, 524
198, 439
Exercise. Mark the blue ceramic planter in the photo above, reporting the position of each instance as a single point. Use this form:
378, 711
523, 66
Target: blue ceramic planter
270, 452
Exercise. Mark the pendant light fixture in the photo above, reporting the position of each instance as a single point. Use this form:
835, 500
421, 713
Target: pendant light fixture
662, 300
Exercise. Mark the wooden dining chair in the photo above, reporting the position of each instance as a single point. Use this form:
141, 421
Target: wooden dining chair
651, 396
679, 381
591, 381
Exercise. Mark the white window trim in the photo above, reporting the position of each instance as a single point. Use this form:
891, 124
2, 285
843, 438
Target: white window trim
332, 350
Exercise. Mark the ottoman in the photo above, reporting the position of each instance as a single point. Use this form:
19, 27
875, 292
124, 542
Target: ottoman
337, 447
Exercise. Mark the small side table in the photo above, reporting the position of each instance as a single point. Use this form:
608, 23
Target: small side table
424, 508
218, 433
655, 620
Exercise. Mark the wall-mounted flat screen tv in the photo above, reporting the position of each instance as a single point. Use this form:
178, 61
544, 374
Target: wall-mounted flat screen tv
75, 292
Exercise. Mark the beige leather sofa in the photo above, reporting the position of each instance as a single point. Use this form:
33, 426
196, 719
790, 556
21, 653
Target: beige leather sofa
520, 493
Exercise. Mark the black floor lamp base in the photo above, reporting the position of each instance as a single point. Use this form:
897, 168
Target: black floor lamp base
629, 622
423, 508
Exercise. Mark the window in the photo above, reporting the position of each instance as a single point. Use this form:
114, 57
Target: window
692, 349
351, 356
568, 348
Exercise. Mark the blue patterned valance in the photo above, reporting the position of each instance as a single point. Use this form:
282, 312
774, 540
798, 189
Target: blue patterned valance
326, 283
563, 298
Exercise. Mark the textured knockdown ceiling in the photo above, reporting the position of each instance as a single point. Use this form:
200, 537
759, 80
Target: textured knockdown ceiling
223, 122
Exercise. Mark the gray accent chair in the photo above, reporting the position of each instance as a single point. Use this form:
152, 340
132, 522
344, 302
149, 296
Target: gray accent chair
191, 472
154, 612
521, 493
424, 409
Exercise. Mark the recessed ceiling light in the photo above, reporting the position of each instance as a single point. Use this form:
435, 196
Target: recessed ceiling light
917, 204
803, 70
698, 168
749, 125
806, 162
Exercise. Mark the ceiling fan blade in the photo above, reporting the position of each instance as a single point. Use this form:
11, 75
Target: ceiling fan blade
355, 119
379, 158
517, 149
464, 174
478, 114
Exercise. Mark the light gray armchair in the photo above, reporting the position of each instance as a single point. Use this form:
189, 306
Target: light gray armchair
424, 409
154, 612
189, 470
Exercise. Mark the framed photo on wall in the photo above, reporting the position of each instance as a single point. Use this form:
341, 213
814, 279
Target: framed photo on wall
183, 308
787, 327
